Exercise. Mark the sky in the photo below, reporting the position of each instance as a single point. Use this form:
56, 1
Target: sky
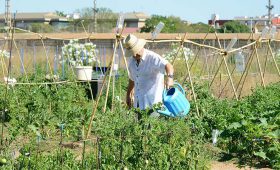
189, 10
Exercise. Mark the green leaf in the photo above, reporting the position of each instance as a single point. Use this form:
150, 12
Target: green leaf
244, 122
261, 154
234, 125
34, 129
263, 121
275, 134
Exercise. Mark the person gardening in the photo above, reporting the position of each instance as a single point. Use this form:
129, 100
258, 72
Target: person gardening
146, 74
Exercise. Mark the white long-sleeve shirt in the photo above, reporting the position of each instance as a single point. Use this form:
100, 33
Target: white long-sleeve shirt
148, 79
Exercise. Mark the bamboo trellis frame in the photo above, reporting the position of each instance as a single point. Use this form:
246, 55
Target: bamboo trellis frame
222, 55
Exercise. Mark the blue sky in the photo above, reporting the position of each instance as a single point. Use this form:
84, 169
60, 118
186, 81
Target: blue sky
190, 10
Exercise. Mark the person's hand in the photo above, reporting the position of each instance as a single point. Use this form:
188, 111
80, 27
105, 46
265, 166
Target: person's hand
129, 101
169, 82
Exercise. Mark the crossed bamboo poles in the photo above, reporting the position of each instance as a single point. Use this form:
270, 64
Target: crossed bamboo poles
117, 43
237, 89
222, 52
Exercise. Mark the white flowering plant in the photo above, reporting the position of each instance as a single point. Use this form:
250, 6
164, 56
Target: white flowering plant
4, 54
78, 54
182, 54
179, 64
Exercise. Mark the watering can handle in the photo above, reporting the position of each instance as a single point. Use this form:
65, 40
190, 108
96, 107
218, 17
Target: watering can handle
181, 88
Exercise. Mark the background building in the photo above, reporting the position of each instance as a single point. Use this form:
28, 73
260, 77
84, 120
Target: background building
25, 20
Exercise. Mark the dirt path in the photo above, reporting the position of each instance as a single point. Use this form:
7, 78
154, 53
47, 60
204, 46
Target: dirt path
230, 166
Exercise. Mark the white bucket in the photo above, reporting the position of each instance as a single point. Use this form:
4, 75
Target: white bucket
83, 72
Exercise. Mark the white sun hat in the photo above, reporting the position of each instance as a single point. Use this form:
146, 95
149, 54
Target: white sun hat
133, 44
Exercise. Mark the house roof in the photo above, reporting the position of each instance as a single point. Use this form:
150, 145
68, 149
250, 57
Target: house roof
28, 16
47, 16
136, 16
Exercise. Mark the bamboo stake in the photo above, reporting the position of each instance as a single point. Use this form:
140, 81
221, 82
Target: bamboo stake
220, 46
216, 72
231, 81
118, 42
248, 65
96, 103
13, 40
221, 92
100, 93
220, 85
11, 37
260, 69
46, 53
123, 53
240, 48
179, 49
200, 47
232, 73
49, 64
196, 56
275, 63
113, 88
190, 78
266, 58
206, 46
162, 41
4, 67
204, 65
88, 82
219, 43
216, 61
207, 64
177, 53
110, 75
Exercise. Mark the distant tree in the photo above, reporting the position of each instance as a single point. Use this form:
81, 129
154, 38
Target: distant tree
234, 27
60, 13
106, 13
170, 23
175, 25
199, 28
106, 19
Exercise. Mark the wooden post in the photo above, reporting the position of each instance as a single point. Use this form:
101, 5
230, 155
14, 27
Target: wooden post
123, 53
216, 73
189, 74
96, 103
245, 72
226, 83
110, 75
266, 58
231, 81
260, 68
275, 63
198, 50
179, 49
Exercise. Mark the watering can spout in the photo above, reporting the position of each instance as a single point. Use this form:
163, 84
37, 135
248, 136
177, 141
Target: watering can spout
165, 112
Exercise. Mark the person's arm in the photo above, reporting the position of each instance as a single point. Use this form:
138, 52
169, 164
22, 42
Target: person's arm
128, 93
169, 71
162, 65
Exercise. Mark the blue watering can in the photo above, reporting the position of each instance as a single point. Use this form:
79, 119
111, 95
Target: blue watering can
175, 102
